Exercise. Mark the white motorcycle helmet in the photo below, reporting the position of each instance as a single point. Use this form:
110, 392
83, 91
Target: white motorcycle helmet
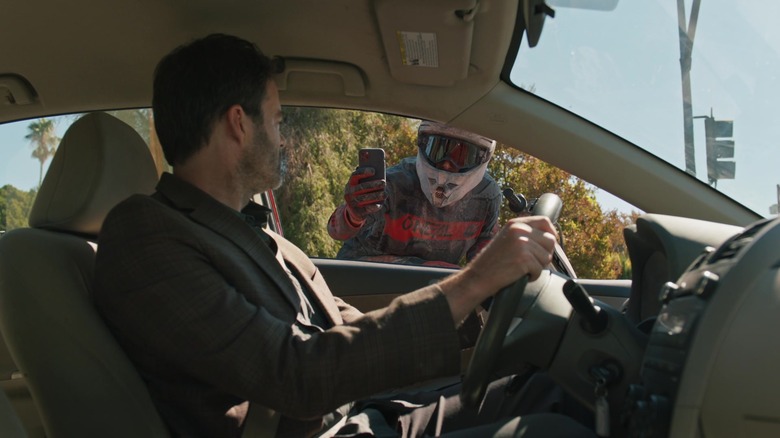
450, 161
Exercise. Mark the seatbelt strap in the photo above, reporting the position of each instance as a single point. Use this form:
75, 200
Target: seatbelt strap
261, 422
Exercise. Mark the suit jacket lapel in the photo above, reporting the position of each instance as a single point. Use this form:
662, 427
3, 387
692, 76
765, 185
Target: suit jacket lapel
308, 273
220, 218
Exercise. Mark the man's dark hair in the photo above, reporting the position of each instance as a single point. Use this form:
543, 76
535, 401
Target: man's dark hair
197, 82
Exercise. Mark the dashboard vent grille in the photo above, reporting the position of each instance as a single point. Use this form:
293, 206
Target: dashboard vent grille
730, 248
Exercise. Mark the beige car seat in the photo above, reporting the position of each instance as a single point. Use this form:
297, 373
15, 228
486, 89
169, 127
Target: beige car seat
80, 379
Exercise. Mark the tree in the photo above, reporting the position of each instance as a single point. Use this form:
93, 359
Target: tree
44, 140
15, 207
322, 150
592, 239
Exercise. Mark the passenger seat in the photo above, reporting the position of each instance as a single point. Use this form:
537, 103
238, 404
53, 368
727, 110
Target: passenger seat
80, 379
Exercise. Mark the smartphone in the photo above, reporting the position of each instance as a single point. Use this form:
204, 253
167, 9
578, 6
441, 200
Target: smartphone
373, 157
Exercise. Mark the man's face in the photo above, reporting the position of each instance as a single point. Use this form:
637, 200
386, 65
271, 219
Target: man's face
262, 163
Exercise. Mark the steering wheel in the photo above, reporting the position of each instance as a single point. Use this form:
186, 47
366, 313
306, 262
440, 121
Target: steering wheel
502, 311
489, 342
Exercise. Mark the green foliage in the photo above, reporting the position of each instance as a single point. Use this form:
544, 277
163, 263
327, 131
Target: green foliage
322, 148
592, 239
15, 207
322, 152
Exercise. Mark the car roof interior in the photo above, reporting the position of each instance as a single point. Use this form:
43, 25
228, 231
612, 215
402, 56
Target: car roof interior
348, 56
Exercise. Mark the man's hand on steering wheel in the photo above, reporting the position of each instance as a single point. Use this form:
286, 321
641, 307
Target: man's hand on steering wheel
517, 254
524, 245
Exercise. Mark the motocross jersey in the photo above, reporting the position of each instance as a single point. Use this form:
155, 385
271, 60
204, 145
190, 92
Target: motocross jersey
408, 229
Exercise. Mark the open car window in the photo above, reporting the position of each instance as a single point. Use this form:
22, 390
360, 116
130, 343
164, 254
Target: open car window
323, 147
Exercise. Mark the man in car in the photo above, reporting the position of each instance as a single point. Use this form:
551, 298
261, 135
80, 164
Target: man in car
225, 320
438, 208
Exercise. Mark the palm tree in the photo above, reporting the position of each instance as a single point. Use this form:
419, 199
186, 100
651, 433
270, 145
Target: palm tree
44, 140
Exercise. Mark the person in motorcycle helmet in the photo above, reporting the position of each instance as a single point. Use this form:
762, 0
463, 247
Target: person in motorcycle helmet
439, 208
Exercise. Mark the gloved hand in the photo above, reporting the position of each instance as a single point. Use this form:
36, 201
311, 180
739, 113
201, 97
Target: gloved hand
363, 198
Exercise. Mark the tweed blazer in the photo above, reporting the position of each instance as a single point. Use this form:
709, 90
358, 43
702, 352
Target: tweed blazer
206, 312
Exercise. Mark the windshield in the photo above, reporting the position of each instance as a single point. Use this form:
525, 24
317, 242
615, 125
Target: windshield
696, 83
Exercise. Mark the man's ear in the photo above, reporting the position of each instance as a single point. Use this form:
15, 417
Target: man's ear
236, 120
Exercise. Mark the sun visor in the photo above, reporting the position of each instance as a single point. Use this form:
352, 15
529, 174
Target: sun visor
427, 42
313, 78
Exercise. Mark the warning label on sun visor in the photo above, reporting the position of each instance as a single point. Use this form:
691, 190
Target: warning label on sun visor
418, 49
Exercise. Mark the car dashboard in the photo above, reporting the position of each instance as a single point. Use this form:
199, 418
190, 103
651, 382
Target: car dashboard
709, 365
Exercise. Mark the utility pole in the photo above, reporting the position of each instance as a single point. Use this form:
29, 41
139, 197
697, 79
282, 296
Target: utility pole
687, 33
775, 208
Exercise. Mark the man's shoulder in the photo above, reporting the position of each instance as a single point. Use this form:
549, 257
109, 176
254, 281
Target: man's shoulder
136, 205
137, 212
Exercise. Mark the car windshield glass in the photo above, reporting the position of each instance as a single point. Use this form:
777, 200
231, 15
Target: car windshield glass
693, 82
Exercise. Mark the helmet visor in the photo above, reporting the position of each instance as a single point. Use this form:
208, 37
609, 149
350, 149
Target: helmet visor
451, 154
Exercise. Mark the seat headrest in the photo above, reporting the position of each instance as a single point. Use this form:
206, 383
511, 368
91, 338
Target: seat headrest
99, 162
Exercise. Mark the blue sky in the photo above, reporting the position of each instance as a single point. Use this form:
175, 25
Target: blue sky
621, 69
18, 167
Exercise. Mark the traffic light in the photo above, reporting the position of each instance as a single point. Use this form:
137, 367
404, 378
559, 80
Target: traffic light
720, 145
